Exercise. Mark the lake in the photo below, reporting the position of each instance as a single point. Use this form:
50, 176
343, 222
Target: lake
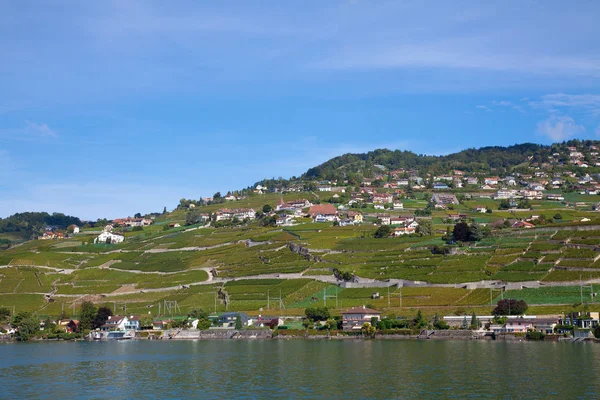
300, 369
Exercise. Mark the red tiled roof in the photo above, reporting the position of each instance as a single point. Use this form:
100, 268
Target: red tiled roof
323, 209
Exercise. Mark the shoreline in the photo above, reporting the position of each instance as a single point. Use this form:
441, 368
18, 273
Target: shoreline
274, 335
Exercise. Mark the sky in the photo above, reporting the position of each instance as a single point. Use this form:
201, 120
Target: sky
117, 107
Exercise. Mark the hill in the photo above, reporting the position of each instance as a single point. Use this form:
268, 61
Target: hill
202, 255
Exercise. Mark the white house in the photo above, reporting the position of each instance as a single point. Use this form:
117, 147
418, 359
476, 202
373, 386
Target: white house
115, 323
108, 237
398, 206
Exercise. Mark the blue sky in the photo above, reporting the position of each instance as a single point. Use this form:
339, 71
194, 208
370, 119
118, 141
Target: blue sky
112, 108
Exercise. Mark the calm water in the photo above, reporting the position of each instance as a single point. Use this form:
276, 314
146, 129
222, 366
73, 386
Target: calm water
300, 369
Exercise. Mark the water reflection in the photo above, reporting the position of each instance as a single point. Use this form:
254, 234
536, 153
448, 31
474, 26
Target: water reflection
300, 369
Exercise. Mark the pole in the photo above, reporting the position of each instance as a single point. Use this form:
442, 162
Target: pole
580, 289
400, 297
268, 300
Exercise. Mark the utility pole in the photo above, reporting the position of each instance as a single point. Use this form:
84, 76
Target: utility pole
400, 297
580, 289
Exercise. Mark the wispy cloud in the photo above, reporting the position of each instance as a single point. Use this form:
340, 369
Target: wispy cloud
509, 104
559, 128
484, 108
587, 102
31, 131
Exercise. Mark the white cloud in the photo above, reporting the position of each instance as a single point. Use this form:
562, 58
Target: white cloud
558, 128
484, 108
40, 129
30, 131
509, 104
589, 103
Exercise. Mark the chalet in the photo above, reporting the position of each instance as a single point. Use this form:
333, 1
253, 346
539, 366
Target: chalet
227, 320
519, 325
284, 220
398, 206
108, 237
239, 213
268, 322
384, 219
132, 323
457, 217
73, 228
402, 182
381, 198
403, 230
523, 224
48, 235
492, 180
323, 213
472, 180
354, 318
114, 323
505, 194
324, 188
230, 197
355, 216
68, 325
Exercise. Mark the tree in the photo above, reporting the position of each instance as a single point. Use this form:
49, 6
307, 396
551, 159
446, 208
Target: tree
27, 325
267, 208
137, 215
557, 216
461, 232
238, 322
382, 232
202, 317
217, 196
368, 330
419, 322
164, 210
101, 317
425, 227
193, 216
474, 321
464, 323
86, 316
317, 314
4, 313
146, 321
510, 307
439, 323
479, 232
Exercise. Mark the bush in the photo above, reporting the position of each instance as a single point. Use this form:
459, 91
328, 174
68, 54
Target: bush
535, 335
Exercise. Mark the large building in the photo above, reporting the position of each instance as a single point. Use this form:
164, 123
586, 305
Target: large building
354, 318
444, 198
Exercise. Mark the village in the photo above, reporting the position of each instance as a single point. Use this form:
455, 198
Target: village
356, 322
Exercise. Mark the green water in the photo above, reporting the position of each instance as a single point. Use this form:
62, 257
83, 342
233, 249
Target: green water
300, 369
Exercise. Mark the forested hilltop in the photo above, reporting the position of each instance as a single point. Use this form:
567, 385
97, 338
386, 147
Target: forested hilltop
32, 223
493, 159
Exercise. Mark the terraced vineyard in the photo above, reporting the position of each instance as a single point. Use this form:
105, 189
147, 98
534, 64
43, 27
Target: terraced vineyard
250, 263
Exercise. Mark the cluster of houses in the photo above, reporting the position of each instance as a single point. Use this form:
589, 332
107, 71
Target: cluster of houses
581, 325
131, 222
227, 214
